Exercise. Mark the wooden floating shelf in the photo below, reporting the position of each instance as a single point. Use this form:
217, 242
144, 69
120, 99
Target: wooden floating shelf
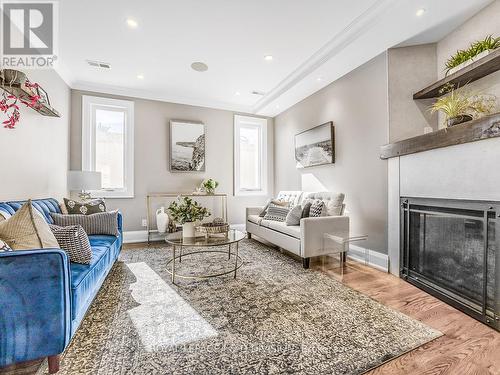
14, 81
478, 69
471, 131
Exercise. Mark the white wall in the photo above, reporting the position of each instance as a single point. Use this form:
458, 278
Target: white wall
35, 155
151, 156
357, 105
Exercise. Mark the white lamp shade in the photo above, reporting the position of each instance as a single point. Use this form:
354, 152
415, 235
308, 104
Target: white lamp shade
84, 180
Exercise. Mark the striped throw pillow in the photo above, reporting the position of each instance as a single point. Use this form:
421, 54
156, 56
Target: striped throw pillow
101, 223
276, 212
293, 217
74, 241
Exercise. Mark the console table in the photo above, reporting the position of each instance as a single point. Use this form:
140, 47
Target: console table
173, 195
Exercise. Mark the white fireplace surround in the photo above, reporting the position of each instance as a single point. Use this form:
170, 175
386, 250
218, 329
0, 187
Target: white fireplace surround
468, 171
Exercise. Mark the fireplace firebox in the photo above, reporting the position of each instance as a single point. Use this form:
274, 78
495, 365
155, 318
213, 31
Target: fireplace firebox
451, 249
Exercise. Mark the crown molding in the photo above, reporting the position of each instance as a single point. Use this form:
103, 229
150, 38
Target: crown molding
351, 32
150, 95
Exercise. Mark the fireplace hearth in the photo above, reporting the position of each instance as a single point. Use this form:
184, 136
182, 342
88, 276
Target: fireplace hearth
451, 249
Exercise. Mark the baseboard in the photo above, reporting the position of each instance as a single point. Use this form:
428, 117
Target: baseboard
136, 236
369, 257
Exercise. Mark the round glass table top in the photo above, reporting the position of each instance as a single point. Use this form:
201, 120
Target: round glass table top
233, 236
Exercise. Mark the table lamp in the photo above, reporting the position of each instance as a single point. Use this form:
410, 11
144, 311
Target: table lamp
83, 181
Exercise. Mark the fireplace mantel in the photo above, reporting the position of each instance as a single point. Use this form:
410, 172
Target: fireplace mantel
472, 131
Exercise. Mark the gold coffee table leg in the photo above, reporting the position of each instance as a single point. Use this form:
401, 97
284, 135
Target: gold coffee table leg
173, 267
236, 261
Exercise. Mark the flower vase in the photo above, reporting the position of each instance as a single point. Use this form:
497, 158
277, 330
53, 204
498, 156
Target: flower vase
188, 230
162, 220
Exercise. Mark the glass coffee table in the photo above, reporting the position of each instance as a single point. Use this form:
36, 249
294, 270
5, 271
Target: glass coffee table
178, 243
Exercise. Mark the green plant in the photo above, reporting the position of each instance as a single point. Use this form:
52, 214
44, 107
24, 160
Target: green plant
463, 102
209, 185
187, 210
461, 56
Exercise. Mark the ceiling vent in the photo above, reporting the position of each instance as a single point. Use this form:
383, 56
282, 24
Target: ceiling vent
99, 64
260, 93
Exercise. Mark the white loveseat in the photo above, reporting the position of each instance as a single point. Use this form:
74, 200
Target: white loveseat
306, 239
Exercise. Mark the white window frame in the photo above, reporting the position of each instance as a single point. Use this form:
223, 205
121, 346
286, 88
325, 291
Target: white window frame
261, 124
89, 105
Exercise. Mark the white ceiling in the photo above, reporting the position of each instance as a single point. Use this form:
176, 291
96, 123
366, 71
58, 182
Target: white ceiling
313, 42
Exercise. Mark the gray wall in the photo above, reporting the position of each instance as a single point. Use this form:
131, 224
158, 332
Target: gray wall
34, 157
151, 156
357, 104
409, 70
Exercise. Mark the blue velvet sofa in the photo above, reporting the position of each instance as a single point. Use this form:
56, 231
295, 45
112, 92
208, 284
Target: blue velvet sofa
44, 296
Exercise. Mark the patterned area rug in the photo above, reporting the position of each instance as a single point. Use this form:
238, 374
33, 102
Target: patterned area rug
274, 318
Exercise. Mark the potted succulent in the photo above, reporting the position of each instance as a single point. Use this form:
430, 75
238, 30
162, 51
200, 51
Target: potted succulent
209, 186
187, 212
460, 106
476, 51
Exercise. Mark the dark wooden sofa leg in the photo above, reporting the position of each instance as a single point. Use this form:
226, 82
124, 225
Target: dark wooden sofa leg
249, 235
305, 262
53, 363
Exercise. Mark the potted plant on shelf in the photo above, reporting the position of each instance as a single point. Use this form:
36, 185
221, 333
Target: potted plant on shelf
460, 106
187, 212
209, 186
476, 51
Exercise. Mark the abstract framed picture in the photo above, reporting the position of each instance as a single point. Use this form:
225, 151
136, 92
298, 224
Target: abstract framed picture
315, 146
187, 146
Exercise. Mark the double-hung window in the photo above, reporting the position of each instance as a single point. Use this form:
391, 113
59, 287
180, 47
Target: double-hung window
108, 144
250, 155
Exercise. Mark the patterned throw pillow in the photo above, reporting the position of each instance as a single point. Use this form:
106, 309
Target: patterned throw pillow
74, 241
306, 210
4, 247
27, 230
102, 223
84, 208
293, 217
316, 208
275, 202
276, 212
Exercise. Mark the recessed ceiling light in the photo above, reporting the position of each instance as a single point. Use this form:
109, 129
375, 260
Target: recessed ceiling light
268, 57
319, 79
237, 93
140, 76
277, 106
420, 12
132, 23
199, 66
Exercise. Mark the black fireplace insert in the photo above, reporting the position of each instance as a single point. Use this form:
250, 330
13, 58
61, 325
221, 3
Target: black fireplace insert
451, 249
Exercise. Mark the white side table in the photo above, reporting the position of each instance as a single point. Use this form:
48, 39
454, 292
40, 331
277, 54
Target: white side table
335, 244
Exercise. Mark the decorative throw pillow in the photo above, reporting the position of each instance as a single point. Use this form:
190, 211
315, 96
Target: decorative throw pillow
101, 223
306, 210
293, 217
84, 208
27, 230
277, 202
74, 241
316, 208
276, 212
4, 247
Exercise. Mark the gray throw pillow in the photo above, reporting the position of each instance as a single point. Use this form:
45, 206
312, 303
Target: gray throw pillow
316, 208
276, 213
306, 210
74, 241
293, 217
94, 206
102, 223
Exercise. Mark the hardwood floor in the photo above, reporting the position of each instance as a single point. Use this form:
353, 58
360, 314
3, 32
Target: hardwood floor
467, 347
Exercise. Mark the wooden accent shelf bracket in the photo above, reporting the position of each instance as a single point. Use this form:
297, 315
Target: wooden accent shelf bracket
14, 82
478, 69
472, 131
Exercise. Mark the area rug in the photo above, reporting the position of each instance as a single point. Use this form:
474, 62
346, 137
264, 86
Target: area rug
274, 318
